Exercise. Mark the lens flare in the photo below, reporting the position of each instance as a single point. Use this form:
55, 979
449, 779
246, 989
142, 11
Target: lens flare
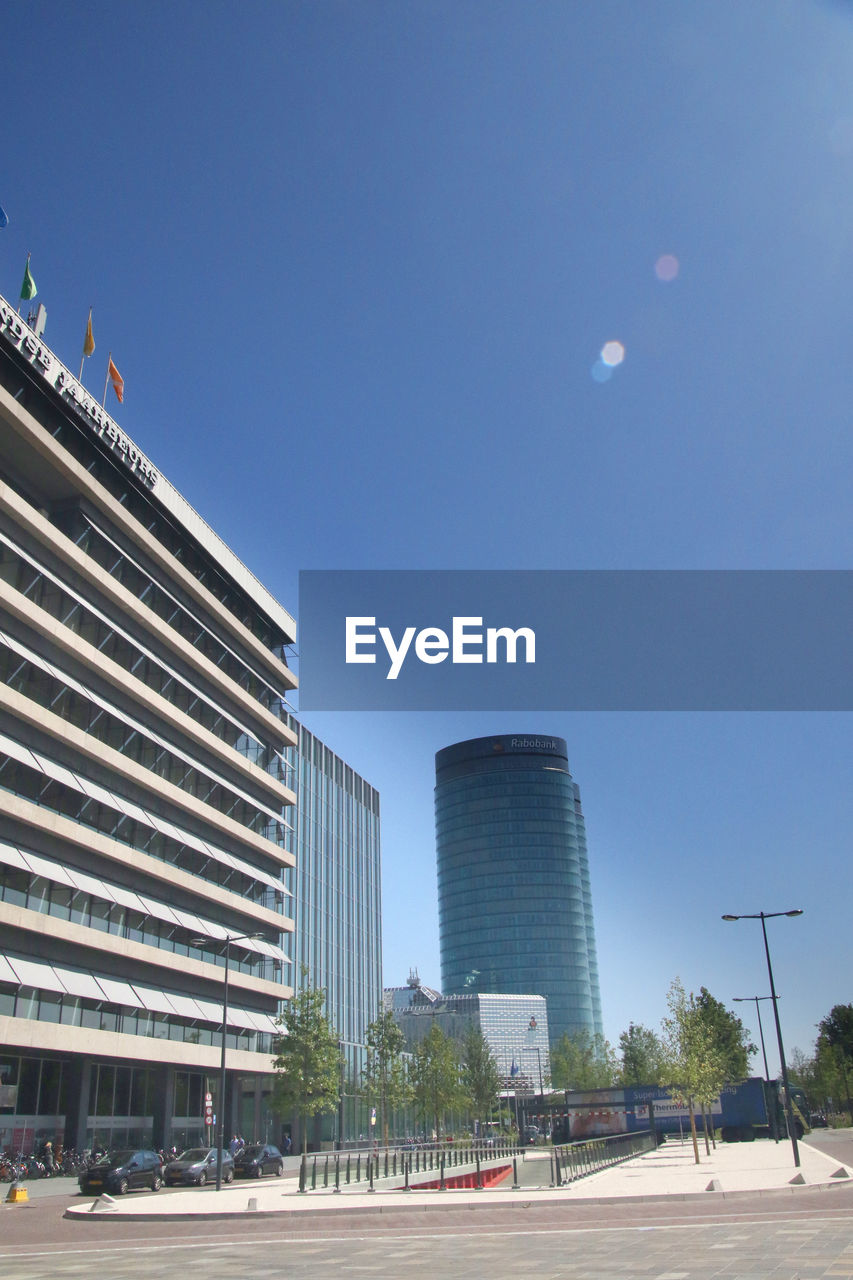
601, 372
667, 267
612, 354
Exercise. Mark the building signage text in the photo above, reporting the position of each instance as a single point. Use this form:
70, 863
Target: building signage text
88, 409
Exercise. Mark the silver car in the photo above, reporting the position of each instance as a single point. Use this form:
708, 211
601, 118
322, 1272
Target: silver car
197, 1166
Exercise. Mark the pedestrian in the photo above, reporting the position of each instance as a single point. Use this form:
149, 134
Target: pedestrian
49, 1162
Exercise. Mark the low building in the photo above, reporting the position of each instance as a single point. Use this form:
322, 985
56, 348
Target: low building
514, 1026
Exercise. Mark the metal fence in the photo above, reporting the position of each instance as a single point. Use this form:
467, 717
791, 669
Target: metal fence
341, 1169
579, 1159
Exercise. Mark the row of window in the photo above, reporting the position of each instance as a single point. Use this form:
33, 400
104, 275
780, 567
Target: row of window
28, 679
99, 1015
39, 586
176, 615
160, 526
22, 889
33, 785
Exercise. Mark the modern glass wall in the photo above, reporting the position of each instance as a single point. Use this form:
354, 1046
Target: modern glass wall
515, 907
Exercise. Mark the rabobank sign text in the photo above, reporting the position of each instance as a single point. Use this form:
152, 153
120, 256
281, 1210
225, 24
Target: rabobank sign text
466, 641
576, 640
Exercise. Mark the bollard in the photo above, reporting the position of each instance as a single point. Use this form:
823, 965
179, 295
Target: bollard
326, 1173
349, 1161
443, 1184
314, 1174
337, 1173
479, 1172
515, 1182
302, 1172
17, 1193
407, 1164
358, 1167
252, 1206
371, 1187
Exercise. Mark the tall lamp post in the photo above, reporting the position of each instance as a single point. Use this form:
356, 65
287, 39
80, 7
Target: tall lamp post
755, 1000
234, 937
789, 1112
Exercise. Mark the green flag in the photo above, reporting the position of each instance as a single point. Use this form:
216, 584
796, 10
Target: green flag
28, 288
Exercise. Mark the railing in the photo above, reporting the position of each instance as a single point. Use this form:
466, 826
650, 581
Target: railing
580, 1159
340, 1168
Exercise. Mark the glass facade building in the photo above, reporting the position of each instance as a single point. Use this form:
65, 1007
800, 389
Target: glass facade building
337, 903
515, 906
145, 791
514, 1026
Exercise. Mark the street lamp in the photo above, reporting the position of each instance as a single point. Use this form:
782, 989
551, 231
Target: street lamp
205, 942
744, 1000
762, 916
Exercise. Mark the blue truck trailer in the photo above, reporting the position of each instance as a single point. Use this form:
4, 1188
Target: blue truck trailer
743, 1111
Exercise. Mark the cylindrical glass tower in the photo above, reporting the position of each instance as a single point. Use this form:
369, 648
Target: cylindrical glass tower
514, 901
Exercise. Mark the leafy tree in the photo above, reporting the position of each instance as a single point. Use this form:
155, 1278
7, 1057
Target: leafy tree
480, 1075
308, 1061
697, 1063
386, 1078
836, 1030
582, 1061
643, 1056
730, 1036
835, 1048
435, 1078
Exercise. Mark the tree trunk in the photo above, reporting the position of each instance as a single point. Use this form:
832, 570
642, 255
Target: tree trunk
693, 1132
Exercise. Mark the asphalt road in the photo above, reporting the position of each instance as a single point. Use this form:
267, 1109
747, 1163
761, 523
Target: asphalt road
786, 1235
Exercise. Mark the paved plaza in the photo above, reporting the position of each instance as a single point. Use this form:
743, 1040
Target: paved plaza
652, 1218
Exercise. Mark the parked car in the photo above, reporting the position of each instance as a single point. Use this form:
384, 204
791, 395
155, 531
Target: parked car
818, 1120
119, 1171
260, 1158
197, 1166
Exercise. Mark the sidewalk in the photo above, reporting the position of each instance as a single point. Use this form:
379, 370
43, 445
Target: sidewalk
670, 1171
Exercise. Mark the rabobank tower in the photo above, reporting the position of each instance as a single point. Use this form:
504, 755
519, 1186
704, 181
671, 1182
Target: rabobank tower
514, 899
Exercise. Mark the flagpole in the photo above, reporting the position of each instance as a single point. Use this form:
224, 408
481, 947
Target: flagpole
21, 299
83, 356
106, 380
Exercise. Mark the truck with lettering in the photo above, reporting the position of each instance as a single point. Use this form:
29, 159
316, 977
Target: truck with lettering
741, 1112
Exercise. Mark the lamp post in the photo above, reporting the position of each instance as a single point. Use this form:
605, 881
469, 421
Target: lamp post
755, 999
762, 916
235, 937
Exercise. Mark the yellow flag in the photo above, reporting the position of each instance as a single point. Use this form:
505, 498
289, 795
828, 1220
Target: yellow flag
89, 341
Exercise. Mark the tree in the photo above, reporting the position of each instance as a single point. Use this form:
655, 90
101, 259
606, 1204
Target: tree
480, 1075
697, 1063
835, 1047
308, 1061
729, 1035
435, 1078
582, 1061
385, 1077
643, 1057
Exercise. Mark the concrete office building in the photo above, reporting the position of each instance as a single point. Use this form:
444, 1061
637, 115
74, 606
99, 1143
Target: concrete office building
337, 906
515, 907
514, 1026
145, 795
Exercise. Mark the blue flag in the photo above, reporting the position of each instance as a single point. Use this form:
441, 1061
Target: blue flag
513, 1071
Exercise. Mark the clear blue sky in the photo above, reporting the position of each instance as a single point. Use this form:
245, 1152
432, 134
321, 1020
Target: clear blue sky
356, 262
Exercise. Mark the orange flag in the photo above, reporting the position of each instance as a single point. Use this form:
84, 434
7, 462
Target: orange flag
117, 381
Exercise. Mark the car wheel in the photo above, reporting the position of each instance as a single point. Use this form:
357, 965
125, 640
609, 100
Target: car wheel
229, 1175
279, 1170
122, 1187
202, 1178
156, 1182
259, 1172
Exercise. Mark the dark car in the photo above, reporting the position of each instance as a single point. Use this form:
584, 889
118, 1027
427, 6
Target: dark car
197, 1166
120, 1171
260, 1158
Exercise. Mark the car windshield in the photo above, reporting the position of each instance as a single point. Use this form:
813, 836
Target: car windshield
251, 1152
195, 1153
114, 1158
